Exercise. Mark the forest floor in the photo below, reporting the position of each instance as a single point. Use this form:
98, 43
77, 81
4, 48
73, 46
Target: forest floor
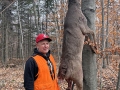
11, 78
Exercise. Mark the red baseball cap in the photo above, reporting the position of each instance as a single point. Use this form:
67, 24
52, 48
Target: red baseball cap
41, 37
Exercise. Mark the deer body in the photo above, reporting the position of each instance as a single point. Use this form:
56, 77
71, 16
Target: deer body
75, 29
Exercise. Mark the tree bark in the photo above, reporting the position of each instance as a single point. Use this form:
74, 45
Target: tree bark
89, 58
6, 22
21, 35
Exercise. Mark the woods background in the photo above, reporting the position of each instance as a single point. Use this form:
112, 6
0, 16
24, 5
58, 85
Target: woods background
22, 20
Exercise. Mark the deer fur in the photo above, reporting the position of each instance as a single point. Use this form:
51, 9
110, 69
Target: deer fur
75, 29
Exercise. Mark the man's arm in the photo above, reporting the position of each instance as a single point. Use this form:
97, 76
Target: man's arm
30, 71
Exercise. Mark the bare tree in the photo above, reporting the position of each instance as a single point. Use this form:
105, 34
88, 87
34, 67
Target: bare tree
88, 57
6, 27
21, 34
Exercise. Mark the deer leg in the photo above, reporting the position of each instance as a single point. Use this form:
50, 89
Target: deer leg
62, 71
69, 81
87, 30
79, 85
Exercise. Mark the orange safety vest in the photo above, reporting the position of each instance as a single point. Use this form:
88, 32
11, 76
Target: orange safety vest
44, 80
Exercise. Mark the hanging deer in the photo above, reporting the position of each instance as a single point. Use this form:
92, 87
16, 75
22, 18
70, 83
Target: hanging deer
75, 30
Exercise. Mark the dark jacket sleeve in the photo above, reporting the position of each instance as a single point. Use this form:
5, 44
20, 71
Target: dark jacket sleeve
30, 72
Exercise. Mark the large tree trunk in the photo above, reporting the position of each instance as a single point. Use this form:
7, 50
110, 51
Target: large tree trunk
89, 59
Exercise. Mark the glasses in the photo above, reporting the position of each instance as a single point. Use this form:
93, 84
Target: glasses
51, 69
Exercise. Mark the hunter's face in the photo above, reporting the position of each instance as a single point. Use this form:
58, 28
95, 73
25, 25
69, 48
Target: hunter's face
43, 46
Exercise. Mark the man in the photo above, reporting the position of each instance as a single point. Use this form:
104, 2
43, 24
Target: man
40, 69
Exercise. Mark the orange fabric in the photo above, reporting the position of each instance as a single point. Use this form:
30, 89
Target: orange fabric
44, 80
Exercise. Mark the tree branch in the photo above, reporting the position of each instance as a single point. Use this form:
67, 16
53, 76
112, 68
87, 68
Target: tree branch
7, 7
